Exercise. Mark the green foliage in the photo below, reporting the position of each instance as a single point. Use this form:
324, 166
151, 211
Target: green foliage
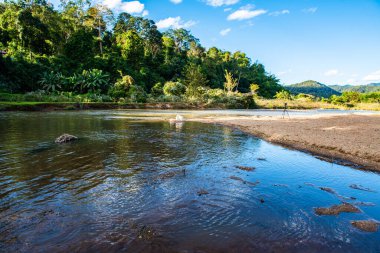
283, 95
231, 82
93, 80
122, 86
78, 48
52, 82
254, 88
132, 47
137, 94
157, 90
194, 79
353, 97
305, 97
174, 89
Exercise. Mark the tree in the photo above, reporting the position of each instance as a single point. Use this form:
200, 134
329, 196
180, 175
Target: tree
33, 33
182, 39
146, 29
254, 88
231, 82
194, 78
132, 47
97, 18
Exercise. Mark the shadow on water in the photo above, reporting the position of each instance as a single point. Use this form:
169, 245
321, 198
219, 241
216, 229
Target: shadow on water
138, 186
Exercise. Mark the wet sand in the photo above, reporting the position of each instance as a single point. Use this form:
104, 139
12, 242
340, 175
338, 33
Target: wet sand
345, 139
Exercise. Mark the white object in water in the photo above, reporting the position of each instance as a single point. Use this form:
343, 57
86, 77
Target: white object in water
179, 118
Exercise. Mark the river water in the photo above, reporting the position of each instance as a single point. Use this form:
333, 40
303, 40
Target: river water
135, 185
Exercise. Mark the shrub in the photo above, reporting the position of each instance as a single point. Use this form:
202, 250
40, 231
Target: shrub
122, 86
174, 89
137, 94
305, 97
157, 90
93, 81
52, 82
283, 95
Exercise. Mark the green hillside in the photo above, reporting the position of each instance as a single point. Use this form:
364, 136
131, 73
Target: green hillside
373, 87
313, 88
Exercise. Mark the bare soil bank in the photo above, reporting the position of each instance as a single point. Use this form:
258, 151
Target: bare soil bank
346, 139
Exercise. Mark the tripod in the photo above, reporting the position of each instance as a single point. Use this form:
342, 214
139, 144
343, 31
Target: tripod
285, 111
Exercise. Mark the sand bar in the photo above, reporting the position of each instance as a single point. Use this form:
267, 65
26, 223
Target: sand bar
337, 138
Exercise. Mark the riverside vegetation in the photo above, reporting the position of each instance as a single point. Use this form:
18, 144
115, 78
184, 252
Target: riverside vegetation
83, 53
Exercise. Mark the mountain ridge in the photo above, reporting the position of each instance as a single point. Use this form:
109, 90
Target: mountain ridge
313, 88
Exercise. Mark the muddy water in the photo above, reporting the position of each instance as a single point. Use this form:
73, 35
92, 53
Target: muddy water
141, 186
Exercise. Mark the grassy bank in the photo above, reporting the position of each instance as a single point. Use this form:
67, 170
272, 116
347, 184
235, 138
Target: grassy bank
35, 101
51, 106
302, 104
260, 104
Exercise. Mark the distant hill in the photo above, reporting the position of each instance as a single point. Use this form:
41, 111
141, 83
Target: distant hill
313, 88
372, 87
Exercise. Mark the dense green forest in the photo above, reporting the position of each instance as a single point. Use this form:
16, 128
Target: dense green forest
313, 88
372, 87
84, 49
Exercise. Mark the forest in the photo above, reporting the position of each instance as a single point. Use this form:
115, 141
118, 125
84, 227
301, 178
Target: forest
83, 50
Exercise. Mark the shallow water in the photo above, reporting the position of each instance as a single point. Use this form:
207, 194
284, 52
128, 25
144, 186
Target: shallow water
132, 185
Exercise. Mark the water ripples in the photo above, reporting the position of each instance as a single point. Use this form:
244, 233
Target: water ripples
133, 186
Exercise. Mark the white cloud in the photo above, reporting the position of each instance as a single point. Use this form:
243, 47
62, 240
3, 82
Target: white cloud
174, 22
245, 12
310, 10
373, 77
332, 72
132, 7
218, 3
225, 31
278, 13
176, 1
284, 72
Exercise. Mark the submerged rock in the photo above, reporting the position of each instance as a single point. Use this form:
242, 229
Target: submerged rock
243, 181
202, 192
245, 168
280, 185
326, 189
337, 209
361, 188
366, 225
64, 138
146, 233
171, 174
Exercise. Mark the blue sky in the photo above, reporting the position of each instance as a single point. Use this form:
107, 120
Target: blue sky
331, 41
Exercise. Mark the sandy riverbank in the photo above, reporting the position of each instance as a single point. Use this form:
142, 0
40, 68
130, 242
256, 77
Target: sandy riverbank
341, 139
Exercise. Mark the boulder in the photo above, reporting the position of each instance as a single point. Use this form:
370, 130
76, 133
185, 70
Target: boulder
337, 209
366, 225
64, 138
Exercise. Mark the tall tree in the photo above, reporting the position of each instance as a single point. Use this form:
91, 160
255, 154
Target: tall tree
98, 17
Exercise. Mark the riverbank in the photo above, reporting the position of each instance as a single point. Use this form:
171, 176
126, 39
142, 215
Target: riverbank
52, 106
259, 104
345, 139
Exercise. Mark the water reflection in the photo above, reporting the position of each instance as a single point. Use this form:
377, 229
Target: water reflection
131, 185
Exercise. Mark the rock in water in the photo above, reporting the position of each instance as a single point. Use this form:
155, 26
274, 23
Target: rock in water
337, 209
245, 168
366, 225
65, 138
